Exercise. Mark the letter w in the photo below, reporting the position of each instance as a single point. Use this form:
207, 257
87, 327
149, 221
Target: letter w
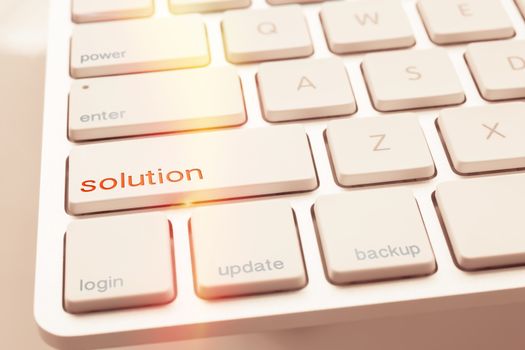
365, 17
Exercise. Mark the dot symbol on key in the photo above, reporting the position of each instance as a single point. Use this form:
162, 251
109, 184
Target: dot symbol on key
85, 87
516, 62
492, 131
267, 28
380, 139
304, 82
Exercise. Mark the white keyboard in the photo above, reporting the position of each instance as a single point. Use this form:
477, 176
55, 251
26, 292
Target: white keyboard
212, 167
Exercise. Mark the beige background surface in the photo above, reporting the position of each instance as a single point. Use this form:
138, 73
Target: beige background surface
22, 42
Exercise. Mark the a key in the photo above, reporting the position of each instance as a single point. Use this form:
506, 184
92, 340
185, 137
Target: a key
483, 218
521, 6
377, 150
307, 88
372, 235
486, 138
454, 21
189, 168
245, 248
128, 47
107, 10
154, 103
266, 34
365, 26
498, 68
187, 6
412, 79
118, 262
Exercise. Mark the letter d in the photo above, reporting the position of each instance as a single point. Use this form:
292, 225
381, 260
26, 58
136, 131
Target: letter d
516, 62
248, 267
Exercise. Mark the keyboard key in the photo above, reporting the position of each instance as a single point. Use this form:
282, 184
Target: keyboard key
487, 138
127, 46
307, 88
521, 6
498, 68
245, 248
483, 218
366, 26
118, 262
412, 79
266, 34
189, 168
377, 150
357, 247
154, 103
187, 6
454, 21
107, 10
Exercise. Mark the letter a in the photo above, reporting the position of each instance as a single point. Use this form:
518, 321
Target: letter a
305, 82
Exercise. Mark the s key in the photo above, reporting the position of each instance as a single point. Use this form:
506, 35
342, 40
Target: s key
412, 79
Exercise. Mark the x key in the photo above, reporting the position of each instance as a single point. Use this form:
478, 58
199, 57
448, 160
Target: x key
495, 149
493, 130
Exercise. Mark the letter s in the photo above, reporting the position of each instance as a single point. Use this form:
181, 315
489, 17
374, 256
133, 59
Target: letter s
90, 184
415, 74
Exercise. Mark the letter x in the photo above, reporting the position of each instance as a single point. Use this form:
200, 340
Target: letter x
493, 131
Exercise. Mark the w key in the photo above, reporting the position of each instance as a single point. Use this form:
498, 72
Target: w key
366, 26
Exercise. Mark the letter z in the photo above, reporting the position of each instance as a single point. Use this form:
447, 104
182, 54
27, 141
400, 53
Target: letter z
380, 138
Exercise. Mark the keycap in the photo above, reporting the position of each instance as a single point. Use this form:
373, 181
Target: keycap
266, 34
83, 11
188, 168
454, 21
140, 104
127, 47
306, 88
247, 248
378, 149
365, 26
371, 235
498, 68
521, 6
411, 79
483, 218
486, 138
187, 6
118, 262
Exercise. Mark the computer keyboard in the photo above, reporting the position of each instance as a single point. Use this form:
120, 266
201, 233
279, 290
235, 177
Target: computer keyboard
213, 167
